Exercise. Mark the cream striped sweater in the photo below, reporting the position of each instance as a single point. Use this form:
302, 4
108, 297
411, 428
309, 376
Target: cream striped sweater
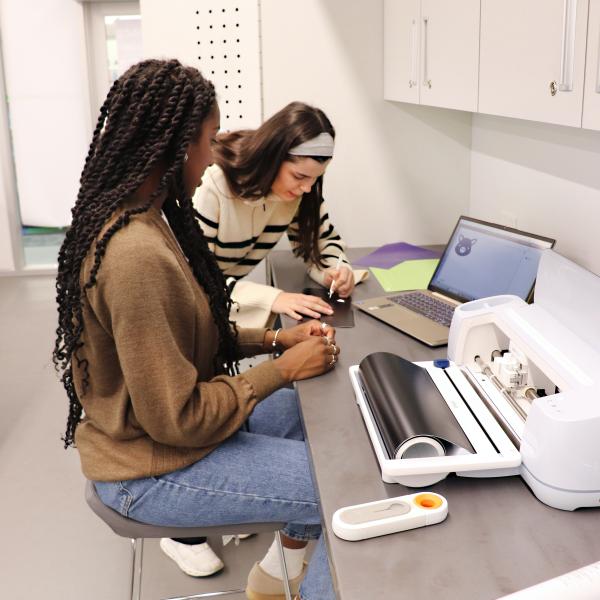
240, 233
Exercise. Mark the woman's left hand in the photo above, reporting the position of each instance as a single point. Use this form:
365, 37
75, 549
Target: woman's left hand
294, 335
344, 280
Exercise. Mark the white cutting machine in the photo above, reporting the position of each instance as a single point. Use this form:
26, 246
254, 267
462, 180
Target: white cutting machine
523, 383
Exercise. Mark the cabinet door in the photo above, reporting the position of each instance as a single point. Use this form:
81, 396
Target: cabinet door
401, 50
449, 53
532, 59
591, 101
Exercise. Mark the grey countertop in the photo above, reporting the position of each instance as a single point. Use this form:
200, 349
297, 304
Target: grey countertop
498, 537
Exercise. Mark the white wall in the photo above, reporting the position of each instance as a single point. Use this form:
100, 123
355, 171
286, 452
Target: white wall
9, 246
400, 172
546, 176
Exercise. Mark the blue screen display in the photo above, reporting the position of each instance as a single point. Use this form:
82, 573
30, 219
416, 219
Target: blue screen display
482, 261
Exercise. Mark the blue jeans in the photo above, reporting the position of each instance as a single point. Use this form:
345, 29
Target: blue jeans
258, 475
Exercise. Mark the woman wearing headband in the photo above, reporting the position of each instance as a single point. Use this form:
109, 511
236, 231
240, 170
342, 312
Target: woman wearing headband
266, 182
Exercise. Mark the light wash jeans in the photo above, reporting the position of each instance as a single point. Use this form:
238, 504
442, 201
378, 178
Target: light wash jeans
258, 475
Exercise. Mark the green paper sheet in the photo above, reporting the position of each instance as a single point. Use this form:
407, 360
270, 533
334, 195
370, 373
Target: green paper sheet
408, 275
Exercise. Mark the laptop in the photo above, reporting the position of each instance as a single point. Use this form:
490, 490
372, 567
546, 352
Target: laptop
481, 259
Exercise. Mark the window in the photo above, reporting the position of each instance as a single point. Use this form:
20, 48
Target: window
114, 43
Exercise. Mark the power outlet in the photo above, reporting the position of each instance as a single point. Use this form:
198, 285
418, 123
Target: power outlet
508, 218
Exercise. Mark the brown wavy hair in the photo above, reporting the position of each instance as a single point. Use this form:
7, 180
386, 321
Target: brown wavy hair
150, 116
251, 159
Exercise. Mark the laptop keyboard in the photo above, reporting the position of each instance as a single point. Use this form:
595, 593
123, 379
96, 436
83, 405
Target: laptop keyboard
428, 306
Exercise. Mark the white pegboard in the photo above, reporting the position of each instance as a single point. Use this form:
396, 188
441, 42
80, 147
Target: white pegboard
219, 37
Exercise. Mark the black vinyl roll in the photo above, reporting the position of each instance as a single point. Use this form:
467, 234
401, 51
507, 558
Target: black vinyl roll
406, 403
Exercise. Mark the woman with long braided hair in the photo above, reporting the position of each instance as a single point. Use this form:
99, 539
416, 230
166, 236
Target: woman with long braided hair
166, 428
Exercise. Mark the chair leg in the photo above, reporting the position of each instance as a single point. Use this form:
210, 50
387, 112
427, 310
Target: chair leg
286, 580
136, 567
140, 563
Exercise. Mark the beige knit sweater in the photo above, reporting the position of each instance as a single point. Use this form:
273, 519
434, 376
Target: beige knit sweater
241, 233
153, 403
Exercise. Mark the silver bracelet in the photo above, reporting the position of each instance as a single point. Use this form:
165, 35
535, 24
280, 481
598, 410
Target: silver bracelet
274, 342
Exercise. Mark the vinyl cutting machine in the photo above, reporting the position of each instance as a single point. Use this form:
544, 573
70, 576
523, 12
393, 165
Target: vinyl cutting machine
520, 394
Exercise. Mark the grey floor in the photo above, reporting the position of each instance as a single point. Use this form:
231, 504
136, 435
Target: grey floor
51, 545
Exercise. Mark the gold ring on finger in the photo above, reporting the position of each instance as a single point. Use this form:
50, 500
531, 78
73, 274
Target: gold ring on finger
335, 349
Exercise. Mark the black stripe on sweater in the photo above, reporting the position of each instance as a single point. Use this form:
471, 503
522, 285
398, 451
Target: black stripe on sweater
242, 244
208, 221
264, 245
333, 244
275, 228
250, 261
229, 259
327, 233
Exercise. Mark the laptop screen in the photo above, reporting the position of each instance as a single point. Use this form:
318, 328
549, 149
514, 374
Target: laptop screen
483, 259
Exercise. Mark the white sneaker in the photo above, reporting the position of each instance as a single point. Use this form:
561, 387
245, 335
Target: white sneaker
237, 538
197, 560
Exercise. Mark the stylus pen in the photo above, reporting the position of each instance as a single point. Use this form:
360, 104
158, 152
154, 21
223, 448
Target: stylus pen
337, 266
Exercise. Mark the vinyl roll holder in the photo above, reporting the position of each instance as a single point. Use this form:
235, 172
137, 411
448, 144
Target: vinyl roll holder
411, 415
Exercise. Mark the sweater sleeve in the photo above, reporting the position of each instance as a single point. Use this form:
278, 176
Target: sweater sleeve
149, 307
255, 298
331, 246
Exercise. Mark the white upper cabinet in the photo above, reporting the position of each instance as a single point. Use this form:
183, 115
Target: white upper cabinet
532, 59
431, 51
449, 53
401, 50
591, 101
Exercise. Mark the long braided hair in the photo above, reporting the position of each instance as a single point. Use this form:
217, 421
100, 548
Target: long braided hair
149, 117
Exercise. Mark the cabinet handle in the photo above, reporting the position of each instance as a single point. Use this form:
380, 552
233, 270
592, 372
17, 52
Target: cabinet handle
553, 88
598, 69
426, 80
567, 58
413, 54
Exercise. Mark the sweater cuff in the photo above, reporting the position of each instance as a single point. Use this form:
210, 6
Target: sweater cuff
250, 293
252, 340
265, 379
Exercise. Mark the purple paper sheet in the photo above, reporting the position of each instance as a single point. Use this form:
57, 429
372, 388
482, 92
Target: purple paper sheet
391, 254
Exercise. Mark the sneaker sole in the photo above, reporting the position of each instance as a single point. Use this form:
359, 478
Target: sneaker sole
252, 595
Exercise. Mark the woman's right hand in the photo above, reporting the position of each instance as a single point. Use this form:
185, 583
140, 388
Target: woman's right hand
314, 356
300, 305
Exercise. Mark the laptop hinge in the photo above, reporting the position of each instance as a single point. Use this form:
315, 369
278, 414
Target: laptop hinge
446, 298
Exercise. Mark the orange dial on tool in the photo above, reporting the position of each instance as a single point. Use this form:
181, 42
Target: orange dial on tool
428, 501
